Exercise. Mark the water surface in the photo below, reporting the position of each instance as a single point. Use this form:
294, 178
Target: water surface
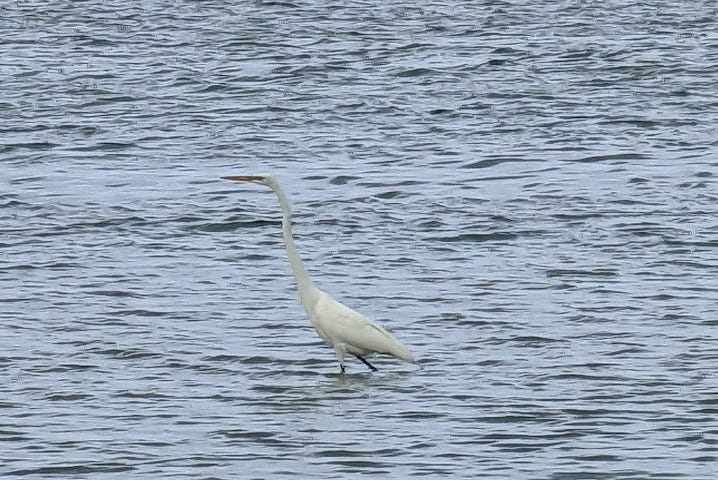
525, 195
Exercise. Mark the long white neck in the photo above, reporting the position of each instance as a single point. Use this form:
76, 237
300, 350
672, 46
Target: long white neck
307, 291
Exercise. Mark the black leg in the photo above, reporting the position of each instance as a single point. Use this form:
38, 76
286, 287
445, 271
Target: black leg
363, 360
341, 369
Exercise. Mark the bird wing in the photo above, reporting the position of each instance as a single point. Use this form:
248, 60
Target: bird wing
342, 324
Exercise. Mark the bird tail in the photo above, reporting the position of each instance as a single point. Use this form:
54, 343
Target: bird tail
400, 351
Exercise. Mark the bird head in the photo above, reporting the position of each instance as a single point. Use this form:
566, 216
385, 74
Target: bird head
266, 180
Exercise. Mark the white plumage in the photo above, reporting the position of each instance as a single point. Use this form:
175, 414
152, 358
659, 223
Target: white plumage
339, 326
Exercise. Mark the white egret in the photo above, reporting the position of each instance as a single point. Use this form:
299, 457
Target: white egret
338, 325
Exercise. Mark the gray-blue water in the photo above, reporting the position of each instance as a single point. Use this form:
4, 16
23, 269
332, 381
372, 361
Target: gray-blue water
524, 194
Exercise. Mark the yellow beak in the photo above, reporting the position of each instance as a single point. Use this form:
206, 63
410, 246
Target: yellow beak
242, 178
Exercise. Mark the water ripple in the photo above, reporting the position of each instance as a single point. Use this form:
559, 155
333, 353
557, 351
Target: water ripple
524, 194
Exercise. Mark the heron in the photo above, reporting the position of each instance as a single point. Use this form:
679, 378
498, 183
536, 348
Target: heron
342, 328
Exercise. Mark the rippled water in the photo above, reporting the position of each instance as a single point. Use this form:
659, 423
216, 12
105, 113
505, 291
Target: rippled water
523, 194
